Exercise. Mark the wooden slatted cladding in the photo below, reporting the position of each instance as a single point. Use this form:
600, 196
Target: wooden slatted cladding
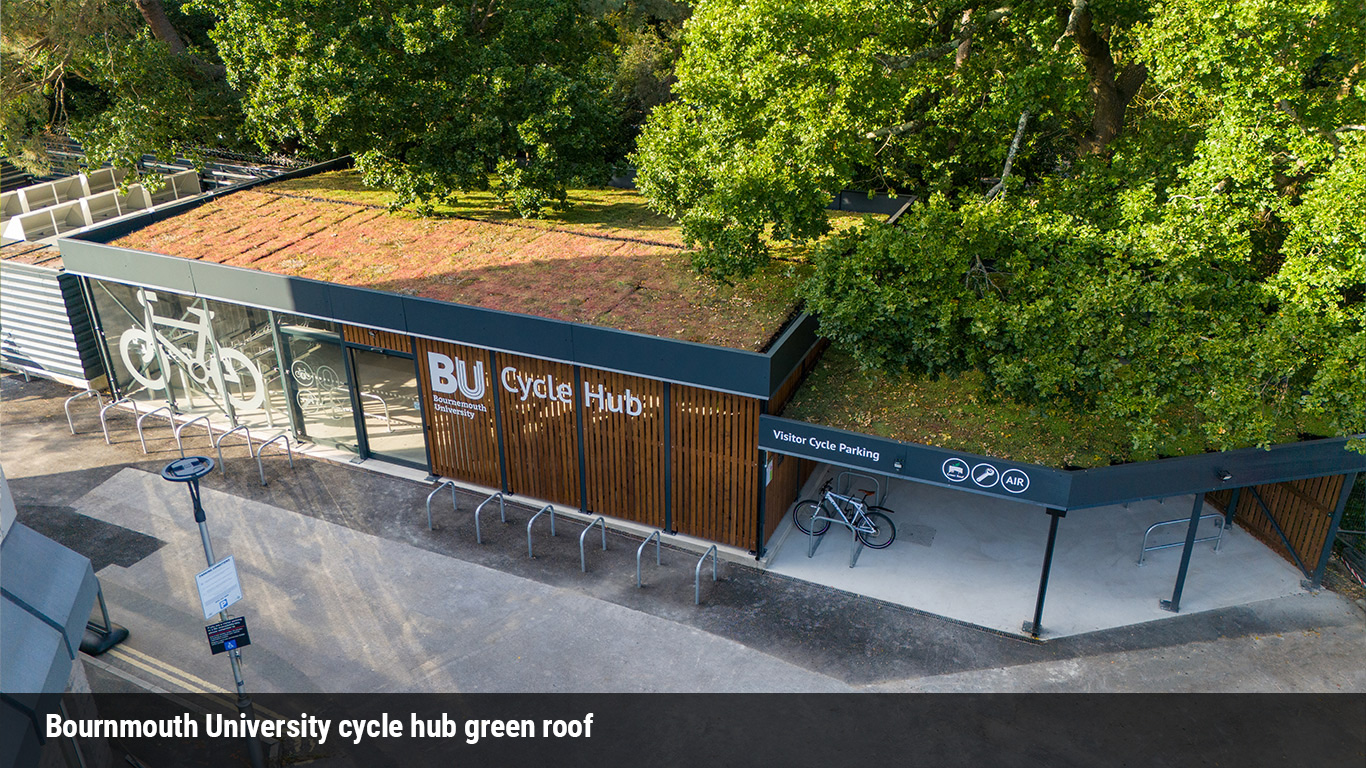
383, 339
1302, 508
623, 443
715, 456
789, 475
460, 430
540, 432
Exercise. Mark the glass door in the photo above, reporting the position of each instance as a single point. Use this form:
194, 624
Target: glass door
387, 393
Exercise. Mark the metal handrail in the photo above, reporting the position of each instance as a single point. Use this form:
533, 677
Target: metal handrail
104, 424
387, 421
697, 574
1218, 539
583, 558
455, 505
180, 427
880, 493
67, 406
218, 444
262, 449
641, 550
547, 508
502, 514
165, 408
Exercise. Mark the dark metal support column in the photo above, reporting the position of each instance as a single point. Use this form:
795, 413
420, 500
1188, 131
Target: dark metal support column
498, 422
1316, 581
578, 421
1174, 604
668, 461
1232, 509
1034, 627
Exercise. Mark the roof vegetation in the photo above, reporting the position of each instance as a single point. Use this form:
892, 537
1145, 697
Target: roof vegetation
607, 261
951, 412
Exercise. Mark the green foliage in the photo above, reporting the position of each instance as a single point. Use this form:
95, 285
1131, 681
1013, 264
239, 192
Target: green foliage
1186, 256
431, 97
93, 70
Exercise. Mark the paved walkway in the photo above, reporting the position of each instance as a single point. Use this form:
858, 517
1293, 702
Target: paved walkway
346, 590
977, 559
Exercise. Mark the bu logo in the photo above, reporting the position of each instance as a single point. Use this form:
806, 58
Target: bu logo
449, 376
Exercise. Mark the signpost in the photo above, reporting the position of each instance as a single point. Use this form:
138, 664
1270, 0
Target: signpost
218, 588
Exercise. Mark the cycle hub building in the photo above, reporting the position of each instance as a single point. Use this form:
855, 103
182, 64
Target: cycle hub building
580, 383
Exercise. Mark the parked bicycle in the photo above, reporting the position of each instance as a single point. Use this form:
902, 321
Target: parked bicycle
870, 523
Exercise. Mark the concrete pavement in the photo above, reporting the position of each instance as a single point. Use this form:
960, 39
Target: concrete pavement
349, 591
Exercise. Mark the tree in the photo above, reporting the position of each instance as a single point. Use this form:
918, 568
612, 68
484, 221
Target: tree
124, 79
430, 97
1152, 211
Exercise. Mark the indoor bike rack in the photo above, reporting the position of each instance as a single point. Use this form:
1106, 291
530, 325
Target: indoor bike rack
1217, 539
66, 406
697, 574
602, 523
388, 422
181, 427
640, 550
455, 505
170, 415
104, 422
218, 444
288, 452
547, 508
502, 514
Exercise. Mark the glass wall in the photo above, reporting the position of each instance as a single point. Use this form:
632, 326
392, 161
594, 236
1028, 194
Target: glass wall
237, 365
389, 394
319, 397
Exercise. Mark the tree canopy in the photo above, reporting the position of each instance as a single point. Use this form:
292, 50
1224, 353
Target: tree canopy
1152, 210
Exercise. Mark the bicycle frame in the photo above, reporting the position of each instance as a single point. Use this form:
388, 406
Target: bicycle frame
859, 522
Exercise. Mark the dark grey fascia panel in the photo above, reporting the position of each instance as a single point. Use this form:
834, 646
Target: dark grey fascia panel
790, 349
1202, 473
363, 306
463, 324
732, 370
1041, 485
126, 265
261, 289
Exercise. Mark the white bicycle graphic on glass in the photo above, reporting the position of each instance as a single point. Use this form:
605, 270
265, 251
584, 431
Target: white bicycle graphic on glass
213, 372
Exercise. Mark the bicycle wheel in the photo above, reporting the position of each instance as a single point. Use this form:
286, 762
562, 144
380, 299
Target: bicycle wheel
883, 535
801, 517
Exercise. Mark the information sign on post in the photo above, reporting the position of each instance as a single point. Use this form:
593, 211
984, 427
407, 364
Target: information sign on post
218, 587
228, 635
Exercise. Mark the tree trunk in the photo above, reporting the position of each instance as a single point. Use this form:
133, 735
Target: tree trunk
1110, 94
155, 15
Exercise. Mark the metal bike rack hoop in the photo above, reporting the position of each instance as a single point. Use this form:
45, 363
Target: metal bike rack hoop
1218, 539
171, 416
66, 406
583, 559
181, 427
880, 492
455, 505
387, 421
547, 508
262, 449
104, 423
641, 550
217, 444
502, 514
697, 574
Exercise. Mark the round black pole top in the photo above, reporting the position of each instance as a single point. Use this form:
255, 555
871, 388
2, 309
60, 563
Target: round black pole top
187, 469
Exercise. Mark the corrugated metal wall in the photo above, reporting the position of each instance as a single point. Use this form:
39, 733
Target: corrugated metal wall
44, 325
